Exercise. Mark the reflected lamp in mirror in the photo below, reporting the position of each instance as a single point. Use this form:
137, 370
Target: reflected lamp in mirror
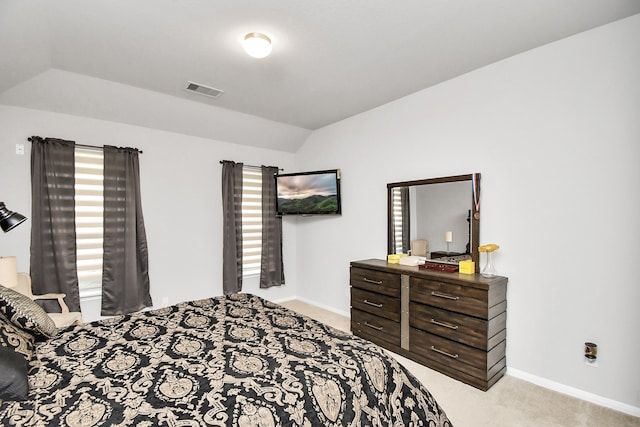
8, 219
448, 238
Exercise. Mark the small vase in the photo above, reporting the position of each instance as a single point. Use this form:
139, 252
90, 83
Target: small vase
488, 270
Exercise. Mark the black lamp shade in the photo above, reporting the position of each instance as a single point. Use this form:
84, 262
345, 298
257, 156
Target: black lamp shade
9, 220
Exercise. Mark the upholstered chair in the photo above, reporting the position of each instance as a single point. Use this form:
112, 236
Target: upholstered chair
62, 319
419, 247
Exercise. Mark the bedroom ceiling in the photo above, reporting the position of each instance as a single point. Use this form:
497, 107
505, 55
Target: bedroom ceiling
130, 60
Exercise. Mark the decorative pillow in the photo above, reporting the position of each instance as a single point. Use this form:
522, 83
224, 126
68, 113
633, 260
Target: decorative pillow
26, 314
14, 380
16, 339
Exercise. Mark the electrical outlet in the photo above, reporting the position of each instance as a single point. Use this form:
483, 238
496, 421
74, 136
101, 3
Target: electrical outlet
20, 149
591, 354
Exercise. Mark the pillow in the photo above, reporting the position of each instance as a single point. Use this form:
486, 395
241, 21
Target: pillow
26, 314
14, 380
16, 339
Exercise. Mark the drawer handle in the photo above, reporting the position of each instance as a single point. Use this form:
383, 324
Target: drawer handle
372, 304
377, 328
446, 325
437, 350
439, 295
375, 282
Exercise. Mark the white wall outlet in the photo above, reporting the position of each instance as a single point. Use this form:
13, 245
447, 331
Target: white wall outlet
20, 149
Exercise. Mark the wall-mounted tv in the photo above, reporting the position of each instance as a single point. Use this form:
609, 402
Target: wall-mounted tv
309, 193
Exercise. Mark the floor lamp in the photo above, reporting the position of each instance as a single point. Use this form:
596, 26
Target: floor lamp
8, 219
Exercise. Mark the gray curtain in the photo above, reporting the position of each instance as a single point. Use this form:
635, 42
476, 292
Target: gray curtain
406, 209
53, 224
125, 271
271, 266
232, 227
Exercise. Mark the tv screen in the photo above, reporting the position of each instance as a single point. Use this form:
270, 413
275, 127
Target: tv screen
308, 193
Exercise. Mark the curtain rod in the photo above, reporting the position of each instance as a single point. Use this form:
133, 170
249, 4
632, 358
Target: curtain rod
90, 147
250, 166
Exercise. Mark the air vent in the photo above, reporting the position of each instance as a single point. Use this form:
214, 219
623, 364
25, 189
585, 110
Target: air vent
203, 90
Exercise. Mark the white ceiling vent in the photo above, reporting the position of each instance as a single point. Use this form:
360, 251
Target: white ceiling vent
203, 90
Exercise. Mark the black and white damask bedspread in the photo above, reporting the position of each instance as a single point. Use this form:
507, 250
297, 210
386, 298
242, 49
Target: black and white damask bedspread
234, 360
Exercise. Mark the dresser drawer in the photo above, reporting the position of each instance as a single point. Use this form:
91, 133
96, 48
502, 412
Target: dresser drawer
376, 304
376, 281
449, 296
374, 328
460, 357
478, 333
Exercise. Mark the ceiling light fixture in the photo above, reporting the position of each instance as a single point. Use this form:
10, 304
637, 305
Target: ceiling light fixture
257, 45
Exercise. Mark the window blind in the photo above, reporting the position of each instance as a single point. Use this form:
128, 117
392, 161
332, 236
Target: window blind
251, 220
397, 219
89, 211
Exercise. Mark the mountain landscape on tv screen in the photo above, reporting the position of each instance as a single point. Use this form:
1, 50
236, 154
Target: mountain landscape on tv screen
311, 204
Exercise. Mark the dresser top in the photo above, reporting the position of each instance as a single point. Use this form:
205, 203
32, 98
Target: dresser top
472, 280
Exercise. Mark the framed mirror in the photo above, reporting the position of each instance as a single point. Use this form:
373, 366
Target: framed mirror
440, 216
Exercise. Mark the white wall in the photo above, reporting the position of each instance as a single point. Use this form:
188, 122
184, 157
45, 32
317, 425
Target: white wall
181, 200
555, 133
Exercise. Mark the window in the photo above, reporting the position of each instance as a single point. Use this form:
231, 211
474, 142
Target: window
251, 220
89, 185
396, 211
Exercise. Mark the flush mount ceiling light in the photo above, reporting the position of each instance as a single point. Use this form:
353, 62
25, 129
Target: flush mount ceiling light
257, 45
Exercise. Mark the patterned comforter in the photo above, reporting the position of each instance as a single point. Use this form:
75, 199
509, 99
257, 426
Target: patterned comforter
234, 360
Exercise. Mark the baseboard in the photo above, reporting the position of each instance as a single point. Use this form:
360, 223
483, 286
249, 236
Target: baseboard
281, 300
574, 392
317, 304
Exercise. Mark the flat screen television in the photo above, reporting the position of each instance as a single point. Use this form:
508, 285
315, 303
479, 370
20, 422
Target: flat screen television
308, 193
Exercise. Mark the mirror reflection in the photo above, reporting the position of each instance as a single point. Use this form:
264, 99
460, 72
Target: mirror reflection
434, 218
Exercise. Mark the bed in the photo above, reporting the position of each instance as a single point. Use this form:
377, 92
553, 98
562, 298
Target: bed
231, 360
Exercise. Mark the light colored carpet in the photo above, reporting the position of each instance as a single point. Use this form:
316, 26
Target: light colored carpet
511, 402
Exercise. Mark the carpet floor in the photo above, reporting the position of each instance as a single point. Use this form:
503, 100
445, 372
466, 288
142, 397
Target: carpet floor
511, 402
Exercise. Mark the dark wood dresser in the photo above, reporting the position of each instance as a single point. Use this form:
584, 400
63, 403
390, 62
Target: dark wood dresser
451, 322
